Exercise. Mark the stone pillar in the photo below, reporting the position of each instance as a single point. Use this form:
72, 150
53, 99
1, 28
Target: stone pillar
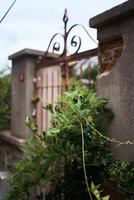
115, 32
23, 73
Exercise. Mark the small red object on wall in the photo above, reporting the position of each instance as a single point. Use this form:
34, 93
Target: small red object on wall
21, 76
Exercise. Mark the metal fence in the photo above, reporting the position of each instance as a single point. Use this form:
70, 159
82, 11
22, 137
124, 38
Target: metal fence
55, 77
58, 70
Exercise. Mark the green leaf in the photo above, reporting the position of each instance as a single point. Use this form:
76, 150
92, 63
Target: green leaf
49, 107
96, 193
93, 186
106, 197
53, 130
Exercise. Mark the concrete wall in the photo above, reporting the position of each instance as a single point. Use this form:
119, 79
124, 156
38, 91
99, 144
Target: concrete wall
23, 74
116, 79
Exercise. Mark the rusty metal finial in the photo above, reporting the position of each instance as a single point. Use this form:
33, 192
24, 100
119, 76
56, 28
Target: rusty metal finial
65, 17
75, 41
65, 20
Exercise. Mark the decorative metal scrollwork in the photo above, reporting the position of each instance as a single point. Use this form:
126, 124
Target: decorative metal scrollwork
56, 46
75, 41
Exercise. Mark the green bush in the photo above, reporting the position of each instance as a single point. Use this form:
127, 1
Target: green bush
123, 172
72, 156
5, 100
71, 146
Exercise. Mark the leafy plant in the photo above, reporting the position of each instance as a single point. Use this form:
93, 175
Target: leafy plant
77, 125
72, 157
5, 99
96, 192
68, 147
123, 172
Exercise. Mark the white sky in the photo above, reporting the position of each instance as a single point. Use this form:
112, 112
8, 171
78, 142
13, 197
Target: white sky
32, 23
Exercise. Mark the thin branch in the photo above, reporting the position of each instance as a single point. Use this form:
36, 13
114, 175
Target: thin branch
83, 160
7, 11
112, 140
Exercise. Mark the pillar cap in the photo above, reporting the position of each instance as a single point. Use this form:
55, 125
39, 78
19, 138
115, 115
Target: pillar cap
29, 52
113, 15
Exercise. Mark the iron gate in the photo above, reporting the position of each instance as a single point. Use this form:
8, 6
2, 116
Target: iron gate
56, 71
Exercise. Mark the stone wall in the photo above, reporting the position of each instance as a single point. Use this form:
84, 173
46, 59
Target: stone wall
10, 150
115, 33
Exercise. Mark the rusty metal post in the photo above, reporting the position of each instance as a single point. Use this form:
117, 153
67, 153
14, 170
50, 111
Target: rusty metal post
65, 70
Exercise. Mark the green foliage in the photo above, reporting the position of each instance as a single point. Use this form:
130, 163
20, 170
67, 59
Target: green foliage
73, 155
5, 99
28, 172
123, 172
96, 192
84, 113
56, 156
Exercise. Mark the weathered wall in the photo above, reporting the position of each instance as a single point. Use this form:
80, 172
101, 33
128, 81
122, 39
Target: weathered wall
116, 79
23, 74
109, 53
9, 150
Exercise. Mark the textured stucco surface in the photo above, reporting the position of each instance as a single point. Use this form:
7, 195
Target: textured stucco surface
23, 64
117, 84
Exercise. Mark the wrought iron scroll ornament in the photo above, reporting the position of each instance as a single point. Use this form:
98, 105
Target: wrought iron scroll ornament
76, 40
